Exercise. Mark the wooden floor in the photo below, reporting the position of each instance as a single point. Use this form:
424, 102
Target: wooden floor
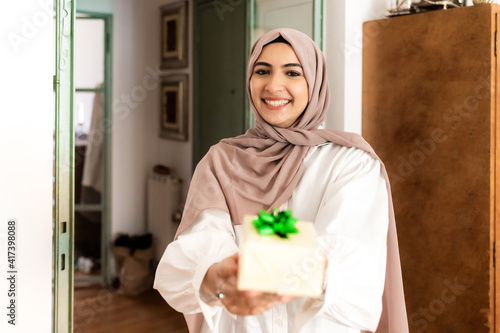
99, 309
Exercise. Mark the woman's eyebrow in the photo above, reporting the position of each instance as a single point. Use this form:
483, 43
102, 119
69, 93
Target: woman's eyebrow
262, 63
291, 65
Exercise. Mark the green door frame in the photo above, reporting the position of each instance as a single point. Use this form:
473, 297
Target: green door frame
318, 22
63, 224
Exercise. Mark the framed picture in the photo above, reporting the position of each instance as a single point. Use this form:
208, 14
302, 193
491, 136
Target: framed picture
174, 44
174, 107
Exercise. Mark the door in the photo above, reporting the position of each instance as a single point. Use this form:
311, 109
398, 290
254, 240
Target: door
220, 49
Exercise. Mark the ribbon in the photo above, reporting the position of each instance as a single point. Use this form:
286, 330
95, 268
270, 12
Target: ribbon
279, 223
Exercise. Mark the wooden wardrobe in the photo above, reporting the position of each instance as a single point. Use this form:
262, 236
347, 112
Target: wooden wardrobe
430, 109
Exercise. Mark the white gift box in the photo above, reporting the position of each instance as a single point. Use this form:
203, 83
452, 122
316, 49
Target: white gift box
286, 266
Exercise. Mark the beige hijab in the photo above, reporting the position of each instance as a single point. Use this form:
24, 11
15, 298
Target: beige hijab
261, 168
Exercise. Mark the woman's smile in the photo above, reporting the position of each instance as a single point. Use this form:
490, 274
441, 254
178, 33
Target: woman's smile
276, 103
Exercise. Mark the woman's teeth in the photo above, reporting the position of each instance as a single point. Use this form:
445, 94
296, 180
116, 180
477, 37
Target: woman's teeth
277, 103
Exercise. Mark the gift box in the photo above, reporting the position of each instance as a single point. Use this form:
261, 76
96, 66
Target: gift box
286, 264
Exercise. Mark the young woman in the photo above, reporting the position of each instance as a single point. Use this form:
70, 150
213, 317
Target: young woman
288, 161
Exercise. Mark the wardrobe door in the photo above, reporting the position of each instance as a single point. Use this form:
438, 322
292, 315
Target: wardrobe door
427, 111
220, 49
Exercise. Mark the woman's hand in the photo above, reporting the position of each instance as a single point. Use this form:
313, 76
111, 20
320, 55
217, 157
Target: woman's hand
222, 277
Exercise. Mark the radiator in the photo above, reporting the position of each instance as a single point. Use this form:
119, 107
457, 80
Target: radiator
164, 198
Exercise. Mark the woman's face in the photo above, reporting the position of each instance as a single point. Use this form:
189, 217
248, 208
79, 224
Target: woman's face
278, 87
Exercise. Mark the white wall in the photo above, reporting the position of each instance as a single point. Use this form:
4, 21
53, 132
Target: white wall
130, 151
26, 127
343, 43
174, 154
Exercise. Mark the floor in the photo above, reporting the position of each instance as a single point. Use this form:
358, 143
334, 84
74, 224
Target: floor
100, 309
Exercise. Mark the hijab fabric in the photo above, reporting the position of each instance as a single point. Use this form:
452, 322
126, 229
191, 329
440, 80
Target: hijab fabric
261, 168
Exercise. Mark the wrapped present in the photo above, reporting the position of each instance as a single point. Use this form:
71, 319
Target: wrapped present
279, 254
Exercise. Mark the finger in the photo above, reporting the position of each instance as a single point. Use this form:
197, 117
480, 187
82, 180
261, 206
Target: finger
228, 268
261, 295
254, 298
248, 309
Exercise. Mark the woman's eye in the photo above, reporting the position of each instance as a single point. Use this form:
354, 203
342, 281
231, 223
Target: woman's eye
261, 72
293, 73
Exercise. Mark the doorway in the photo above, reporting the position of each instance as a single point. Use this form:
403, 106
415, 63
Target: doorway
92, 123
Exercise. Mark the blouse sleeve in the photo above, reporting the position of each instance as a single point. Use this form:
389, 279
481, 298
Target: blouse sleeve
352, 224
186, 260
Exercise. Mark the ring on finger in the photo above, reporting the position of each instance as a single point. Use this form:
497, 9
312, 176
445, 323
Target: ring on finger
219, 293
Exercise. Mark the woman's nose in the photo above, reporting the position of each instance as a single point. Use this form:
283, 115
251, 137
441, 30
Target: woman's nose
274, 84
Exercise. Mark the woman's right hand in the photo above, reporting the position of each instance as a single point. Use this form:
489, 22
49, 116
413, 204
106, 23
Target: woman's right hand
222, 277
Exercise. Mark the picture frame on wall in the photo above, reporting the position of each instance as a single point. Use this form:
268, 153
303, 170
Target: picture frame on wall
174, 43
174, 107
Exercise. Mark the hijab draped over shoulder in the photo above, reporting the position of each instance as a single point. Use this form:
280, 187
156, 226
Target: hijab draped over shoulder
261, 168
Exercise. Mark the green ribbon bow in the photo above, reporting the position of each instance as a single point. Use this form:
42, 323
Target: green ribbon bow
279, 223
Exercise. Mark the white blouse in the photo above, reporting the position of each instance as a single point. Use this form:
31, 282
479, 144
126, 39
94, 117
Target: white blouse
344, 193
